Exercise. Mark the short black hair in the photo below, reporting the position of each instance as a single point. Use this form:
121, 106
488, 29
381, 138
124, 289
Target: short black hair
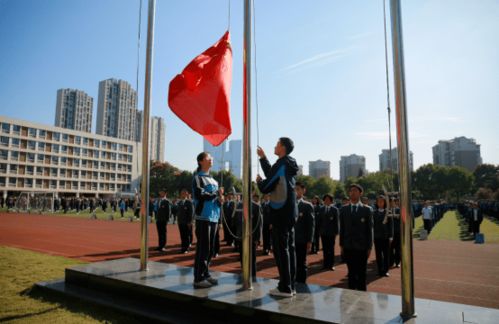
288, 144
356, 185
328, 196
300, 184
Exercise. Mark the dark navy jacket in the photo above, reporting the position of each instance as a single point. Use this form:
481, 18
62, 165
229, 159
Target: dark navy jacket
305, 224
280, 183
329, 222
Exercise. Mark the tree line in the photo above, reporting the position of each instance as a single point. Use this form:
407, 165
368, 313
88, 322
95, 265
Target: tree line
428, 182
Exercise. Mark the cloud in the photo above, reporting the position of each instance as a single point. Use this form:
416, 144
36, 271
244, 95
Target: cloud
318, 60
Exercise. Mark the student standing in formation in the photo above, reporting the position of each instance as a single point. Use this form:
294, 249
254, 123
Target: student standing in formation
280, 183
207, 199
329, 225
316, 202
476, 218
356, 237
382, 236
427, 216
266, 226
185, 212
162, 218
228, 209
304, 232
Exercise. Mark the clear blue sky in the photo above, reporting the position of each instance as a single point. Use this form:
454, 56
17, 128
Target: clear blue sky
321, 74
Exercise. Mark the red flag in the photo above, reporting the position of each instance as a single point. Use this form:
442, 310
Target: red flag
200, 95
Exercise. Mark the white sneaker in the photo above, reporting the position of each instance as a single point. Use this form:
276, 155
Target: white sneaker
212, 281
277, 292
294, 292
202, 284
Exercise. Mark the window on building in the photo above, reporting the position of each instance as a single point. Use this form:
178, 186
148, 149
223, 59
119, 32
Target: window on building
55, 160
31, 145
76, 163
64, 160
5, 128
4, 154
3, 168
78, 140
40, 158
42, 133
12, 182
14, 155
2, 181
62, 173
30, 169
31, 157
4, 141
85, 141
13, 169
56, 136
53, 172
55, 148
97, 143
64, 149
65, 138
41, 146
16, 129
28, 183
32, 132
15, 142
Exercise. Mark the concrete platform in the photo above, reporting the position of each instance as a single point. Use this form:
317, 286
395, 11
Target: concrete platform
165, 293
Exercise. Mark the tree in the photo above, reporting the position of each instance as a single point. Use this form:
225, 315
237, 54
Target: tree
322, 186
459, 181
486, 176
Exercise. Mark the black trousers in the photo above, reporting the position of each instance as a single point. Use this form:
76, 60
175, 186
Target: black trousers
395, 250
283, 242
475, 227
328, 250
216, 248
301, 262
382, 247
205, 234
357, 266
161, 227
185, 236
315, 243
266, 237
427, 225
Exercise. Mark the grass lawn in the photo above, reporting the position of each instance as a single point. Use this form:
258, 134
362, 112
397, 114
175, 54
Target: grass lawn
19, 270
453, 227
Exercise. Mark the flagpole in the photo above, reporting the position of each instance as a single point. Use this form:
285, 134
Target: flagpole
247, 237
406, 220
144, 190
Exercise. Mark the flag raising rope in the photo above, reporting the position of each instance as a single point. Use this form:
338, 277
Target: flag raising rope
200, 95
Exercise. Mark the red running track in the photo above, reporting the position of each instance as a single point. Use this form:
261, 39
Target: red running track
454, 271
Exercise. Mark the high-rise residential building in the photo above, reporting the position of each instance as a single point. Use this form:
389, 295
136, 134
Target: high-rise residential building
223, 158
384, 160
140, 126
73, 110
352, 166
40, 158
460, 151
117, 110
235, 157
157, 138
318, 169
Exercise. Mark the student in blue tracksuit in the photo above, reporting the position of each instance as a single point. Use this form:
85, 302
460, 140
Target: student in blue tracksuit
280, 184
208, 199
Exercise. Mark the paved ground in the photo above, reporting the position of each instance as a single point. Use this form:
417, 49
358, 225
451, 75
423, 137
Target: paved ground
453, 271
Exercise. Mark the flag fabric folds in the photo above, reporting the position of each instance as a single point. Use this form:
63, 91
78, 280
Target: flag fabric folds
200, 95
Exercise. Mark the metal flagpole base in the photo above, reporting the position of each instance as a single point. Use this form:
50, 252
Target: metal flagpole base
406, 317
